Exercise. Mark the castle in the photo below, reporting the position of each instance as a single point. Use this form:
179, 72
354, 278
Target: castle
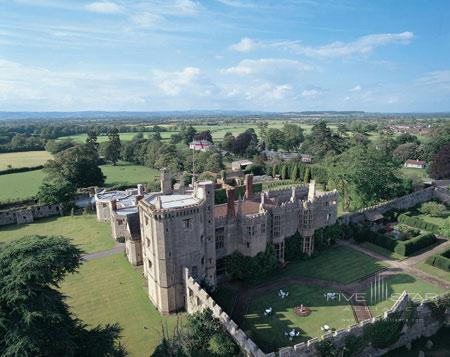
169, 230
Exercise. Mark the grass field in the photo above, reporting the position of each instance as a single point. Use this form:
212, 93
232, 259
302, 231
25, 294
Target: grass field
439, 273
268, 331
128, 174
20, 185
85, 231
23, 159
395, 285
108, 290
382, 251
339, 264
417, 174
26, 184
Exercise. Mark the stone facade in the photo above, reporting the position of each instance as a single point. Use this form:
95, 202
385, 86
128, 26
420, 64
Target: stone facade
186, 230
23, 215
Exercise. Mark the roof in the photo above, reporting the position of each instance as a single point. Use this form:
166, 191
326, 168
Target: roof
174, 201
247, 208
373, 216
415, 162
242, 162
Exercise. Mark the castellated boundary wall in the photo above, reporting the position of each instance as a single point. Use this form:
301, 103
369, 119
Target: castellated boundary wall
198, 299
23, 215
403, 202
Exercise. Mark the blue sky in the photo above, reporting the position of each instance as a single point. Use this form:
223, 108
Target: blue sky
293, 55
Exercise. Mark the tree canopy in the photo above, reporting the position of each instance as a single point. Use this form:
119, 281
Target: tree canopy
34, 317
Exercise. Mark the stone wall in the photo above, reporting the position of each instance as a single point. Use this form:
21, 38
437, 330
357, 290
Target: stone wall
198, 299
23, 215
403, 202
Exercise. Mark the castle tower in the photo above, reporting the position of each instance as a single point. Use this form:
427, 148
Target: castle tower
177, 232
166, 181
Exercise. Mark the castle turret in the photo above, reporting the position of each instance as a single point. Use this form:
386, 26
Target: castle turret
166, 182
231, 197
312, 190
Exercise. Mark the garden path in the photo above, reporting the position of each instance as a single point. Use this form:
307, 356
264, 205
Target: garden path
117, 249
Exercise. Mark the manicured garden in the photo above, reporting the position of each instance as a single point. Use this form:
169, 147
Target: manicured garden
439, 273
108, 290
23, 159
125, 173
84, 230
382, 251
268, 332
393, 287
337, 263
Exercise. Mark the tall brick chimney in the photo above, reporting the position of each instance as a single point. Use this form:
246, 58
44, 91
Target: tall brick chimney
248, 182
231, 197
113, 204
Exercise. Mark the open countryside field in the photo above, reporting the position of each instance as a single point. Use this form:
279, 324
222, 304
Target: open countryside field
85, 231
269, 331
26, 184
23, 159
395, 285
108, 290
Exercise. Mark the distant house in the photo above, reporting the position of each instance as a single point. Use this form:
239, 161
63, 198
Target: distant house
272, 155
200, 145
415, 164
240, 164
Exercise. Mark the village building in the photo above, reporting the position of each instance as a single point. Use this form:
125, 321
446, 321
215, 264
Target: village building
240, 165
415, 164
201, 145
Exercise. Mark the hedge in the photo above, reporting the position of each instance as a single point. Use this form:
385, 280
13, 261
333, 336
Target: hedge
418, 223
404, 248
439, 261
410, 246
220, 195
14, 170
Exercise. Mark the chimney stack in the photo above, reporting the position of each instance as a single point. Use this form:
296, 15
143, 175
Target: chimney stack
140, 190
113, 204
231, 197
248, 182
138, 198
312, 191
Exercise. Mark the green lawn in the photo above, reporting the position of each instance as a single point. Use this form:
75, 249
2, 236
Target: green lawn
419, 174
23, 159
440, 221
395, 285
108, 290
268, 332
128, 174
340, 264
439, 273
90, 235
20, 185
26, 184
382, 251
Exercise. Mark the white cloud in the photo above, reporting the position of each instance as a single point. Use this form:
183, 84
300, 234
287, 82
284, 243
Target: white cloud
245, 45
362, 46
104, 7
146, 19
356, 88
239, 4
267, 66
436, 78
172, 83
310, 93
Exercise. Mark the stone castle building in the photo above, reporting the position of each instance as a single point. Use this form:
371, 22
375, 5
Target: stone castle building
185, 229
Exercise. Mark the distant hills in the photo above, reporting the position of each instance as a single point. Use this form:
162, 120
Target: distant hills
190, 114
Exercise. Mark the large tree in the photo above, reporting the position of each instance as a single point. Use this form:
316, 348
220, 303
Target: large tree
112, 149
292, 136
364, 176
407, 151
34, 318
321, 141
77, 165
440, 166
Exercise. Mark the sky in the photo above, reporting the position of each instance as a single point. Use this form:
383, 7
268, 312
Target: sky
259, 55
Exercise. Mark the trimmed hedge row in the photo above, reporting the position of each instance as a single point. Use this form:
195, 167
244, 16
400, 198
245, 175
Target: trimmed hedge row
404, 248
439, 261
418, 223
410, 246
220, 195
15, 170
